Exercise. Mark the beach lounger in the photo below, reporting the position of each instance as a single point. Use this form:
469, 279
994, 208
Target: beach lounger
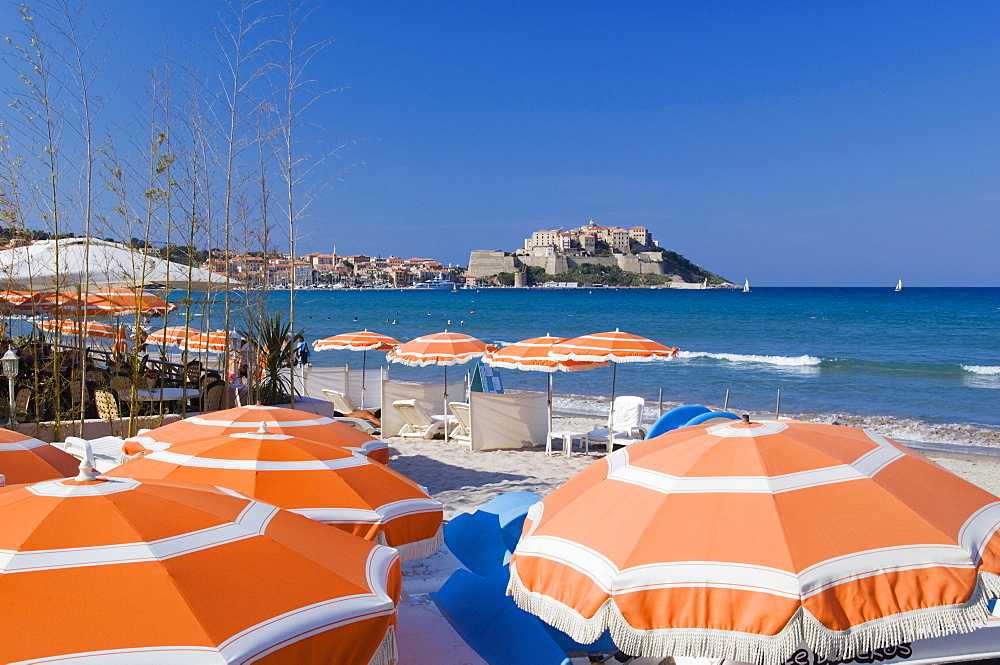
484, 540
674, 418
419, 423
340, 401
627, 421
361, 424
463, 430
489, 621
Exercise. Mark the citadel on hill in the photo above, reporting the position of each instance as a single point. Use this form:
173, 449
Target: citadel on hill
599, 254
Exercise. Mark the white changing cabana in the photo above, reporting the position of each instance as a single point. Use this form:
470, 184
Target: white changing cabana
511, 420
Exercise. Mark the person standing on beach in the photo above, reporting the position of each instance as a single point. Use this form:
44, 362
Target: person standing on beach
300, 351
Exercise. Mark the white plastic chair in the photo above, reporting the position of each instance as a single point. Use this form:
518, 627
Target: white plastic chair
627, 423
463, 414
419, 423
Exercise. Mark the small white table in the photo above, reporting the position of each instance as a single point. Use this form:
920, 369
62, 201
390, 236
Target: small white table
167, 395
567, 439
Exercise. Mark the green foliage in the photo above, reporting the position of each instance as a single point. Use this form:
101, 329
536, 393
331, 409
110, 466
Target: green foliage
272, 343
674, 263
505, 278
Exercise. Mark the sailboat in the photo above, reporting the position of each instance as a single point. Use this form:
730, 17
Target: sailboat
746, 286
899, 285
705, 285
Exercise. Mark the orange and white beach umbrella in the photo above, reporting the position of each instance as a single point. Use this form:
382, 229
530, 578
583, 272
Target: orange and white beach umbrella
745, 540
74, 328
24, 459
364, 342
118, 571
277, 420
15, 298
442, 348
617, 346
324, 482
217, 341
171, 335
614, 347
50, 302
533, 355
129, 302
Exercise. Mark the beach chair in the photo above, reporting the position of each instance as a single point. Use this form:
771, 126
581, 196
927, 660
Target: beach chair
341, 402
344, 405
359, 424
463, 430
626, 424
419, 423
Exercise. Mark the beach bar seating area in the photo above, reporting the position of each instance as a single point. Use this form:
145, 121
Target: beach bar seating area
55, 390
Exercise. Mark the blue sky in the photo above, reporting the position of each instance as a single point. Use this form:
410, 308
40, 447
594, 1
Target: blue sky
797, 143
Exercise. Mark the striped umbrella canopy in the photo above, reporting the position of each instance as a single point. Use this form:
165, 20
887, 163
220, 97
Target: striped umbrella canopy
743, 540
363, 341
129, 302
442, 348
217, 341
614, 347
24, 459
171, 335
15, 298
50, 302
74, 328
324, 482
533, 355
152, 572
277, 420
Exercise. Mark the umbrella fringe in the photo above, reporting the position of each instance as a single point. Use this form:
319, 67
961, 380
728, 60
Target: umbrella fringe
421, 548
387, 653
762, 649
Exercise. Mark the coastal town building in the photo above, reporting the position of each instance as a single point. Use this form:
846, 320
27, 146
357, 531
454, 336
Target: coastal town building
589, 240
318, 269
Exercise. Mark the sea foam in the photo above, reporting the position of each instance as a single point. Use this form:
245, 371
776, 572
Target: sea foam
986, 370
783, 361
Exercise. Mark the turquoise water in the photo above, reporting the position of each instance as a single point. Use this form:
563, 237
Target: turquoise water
931, 354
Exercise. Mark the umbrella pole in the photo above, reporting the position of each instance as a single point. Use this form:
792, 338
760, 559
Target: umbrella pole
364, 364
548, 443
611, 413
445, 411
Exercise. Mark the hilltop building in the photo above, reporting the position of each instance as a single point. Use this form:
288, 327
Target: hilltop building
558, 250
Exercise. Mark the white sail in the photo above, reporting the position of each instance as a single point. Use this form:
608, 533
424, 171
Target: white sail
746, 286
899, 285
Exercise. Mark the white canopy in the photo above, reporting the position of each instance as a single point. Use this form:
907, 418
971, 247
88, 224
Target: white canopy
109, 265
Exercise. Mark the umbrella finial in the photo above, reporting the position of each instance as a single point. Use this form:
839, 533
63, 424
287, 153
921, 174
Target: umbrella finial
263, 429
86, 473
746, 418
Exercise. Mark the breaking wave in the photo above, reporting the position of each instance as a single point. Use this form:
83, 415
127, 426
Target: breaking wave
781, 361
985, 370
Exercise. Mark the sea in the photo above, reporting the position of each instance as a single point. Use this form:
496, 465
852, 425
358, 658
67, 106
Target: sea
927, 359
